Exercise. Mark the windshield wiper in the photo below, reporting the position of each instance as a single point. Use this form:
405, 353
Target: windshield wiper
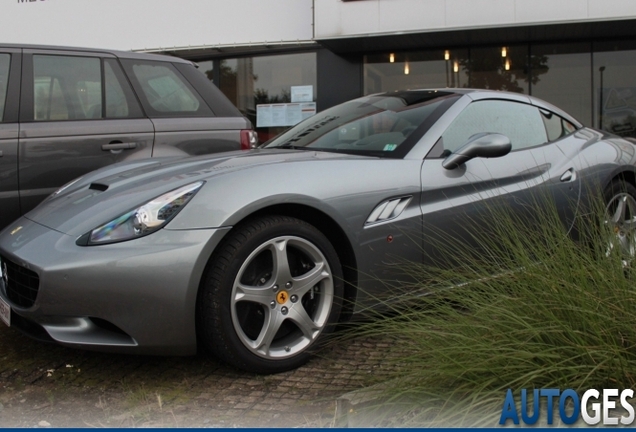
302, 133
291, 146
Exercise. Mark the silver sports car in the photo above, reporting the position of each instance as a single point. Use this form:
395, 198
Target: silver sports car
255, 255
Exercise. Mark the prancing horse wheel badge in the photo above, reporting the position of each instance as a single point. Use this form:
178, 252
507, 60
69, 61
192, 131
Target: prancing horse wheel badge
282, 297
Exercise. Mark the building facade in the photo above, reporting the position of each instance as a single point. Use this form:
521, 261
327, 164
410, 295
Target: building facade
280, 60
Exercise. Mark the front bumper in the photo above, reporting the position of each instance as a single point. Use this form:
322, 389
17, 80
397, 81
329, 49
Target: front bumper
137, 296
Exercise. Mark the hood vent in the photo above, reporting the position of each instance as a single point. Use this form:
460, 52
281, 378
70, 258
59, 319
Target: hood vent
98, 186
388, 210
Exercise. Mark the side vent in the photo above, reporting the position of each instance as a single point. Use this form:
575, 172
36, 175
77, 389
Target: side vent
388, 210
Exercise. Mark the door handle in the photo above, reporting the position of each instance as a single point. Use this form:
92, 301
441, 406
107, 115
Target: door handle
1, 153
119, 146
569, 175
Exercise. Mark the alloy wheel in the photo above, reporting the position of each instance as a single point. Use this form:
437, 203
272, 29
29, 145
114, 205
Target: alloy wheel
281, 297
621, 225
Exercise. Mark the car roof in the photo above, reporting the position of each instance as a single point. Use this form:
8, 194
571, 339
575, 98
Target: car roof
480, 94
116, 53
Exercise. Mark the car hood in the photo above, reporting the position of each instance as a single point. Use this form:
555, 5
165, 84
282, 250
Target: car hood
105, 194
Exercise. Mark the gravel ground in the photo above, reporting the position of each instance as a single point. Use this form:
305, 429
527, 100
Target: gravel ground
47, 385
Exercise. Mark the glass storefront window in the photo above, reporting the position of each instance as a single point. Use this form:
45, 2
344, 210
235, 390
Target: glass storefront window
207, 68
268, 80
593, 81
496, 68
499, 68
615, 87
421, 69
561, 75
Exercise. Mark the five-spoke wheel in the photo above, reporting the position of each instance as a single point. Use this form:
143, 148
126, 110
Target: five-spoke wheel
273, 288
620, 220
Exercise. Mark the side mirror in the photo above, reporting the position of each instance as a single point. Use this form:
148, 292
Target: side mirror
486, 145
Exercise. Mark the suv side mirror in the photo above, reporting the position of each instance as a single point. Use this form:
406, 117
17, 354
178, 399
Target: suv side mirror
486, 145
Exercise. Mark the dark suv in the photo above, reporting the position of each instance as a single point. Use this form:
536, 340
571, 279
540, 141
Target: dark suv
67, 111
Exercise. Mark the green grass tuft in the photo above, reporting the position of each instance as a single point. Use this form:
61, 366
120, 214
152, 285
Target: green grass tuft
532, 309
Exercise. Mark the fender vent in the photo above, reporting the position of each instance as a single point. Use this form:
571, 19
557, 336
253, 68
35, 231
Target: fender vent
388, 210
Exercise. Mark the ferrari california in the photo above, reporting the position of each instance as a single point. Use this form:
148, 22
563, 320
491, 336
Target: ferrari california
256, 255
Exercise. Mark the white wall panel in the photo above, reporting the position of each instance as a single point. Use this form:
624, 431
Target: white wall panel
550, 10
361, 16
469, 13
151, 24
419, 14
612, 8
138, 24
335, 18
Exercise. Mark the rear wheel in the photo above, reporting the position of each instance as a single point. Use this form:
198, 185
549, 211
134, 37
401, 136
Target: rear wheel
620, 220
271, 292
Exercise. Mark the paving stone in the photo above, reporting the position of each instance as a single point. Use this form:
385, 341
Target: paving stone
108, 390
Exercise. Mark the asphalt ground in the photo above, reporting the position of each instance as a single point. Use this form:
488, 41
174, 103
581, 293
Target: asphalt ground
44, 385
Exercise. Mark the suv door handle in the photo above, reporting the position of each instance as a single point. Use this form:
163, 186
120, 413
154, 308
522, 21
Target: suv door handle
119, 146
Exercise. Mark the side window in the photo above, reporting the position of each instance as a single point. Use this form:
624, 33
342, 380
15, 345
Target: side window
116, 104
5, 60
556, 127
49, 101
521, 123
120, 98
66, 88
165, 92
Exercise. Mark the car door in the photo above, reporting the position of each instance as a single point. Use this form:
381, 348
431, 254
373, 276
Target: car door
78, 113
185, 122
10, 61
462, 201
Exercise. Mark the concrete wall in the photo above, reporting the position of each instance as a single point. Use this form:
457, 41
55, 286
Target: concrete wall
151, 24
335, 18
156, 24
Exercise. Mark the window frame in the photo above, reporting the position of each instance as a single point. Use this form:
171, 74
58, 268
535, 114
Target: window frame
26, 98
135, 110
12, 97
204, 109
563, 120
438, 153
5, 90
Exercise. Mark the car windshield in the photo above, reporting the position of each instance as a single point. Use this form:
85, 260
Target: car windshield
385, 125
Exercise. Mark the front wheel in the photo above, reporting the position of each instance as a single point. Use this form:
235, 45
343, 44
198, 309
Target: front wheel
272, 290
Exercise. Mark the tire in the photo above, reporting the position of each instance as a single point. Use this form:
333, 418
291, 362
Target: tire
620, 211
271, 292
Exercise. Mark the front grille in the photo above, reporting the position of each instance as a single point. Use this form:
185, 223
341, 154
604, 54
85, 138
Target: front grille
23, 284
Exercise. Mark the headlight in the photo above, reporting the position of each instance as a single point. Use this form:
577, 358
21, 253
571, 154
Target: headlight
143, 220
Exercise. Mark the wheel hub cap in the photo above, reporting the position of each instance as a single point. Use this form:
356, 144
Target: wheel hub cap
282, 297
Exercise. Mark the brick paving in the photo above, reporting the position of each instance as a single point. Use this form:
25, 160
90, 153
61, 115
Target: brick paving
43, 384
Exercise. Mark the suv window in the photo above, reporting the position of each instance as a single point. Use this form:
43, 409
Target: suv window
521, 123
5, 59
120, 100
165, 90
66, 88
